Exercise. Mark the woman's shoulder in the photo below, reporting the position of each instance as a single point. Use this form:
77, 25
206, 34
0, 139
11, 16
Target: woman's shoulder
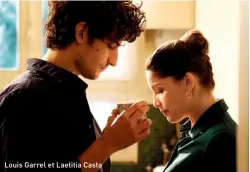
220, 150
222, 133
225, 127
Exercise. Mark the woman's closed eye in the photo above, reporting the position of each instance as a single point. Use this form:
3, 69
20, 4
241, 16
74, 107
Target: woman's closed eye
160, 91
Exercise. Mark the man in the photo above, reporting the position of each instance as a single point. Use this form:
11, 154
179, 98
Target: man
45, 118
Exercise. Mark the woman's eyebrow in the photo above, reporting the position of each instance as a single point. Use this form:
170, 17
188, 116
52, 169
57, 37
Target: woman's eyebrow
154, 85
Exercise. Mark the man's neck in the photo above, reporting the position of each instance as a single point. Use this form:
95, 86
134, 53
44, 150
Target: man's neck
61, 58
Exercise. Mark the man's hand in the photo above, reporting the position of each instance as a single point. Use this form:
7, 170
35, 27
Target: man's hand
123, 133
111, 119
126, 131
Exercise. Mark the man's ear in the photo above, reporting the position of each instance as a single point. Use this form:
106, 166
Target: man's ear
189, 81
81, 32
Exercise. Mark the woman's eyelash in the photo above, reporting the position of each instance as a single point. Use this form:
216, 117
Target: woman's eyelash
160, 91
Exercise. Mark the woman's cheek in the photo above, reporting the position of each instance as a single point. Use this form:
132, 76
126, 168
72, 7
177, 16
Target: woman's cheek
165, 99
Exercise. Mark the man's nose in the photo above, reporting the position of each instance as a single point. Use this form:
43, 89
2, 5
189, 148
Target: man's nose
113, 57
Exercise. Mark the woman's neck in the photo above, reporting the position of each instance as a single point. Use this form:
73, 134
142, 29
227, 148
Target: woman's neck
201, 104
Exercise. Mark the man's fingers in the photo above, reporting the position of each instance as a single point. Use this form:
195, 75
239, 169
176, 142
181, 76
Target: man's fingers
139, 113
115, 112
144, 125
143, 134
134, 107
143, 129
112, 117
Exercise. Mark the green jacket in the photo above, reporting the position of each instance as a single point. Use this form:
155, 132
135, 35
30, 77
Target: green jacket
210, 146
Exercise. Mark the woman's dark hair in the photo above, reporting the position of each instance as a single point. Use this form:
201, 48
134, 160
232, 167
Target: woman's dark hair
112, 20
188, 54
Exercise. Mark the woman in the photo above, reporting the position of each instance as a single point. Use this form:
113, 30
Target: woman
179, 73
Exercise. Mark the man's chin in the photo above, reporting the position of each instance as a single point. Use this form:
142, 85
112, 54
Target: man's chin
91, 77
94, 77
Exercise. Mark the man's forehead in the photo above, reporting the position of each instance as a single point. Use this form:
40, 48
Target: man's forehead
111, 42
115, 37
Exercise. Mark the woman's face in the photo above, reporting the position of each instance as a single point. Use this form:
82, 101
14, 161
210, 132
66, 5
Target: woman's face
169, 95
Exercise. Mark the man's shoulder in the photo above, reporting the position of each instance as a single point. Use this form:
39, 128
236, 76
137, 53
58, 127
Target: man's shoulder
24, 85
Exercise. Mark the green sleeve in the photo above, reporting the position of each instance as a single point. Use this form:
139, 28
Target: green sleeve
220, 153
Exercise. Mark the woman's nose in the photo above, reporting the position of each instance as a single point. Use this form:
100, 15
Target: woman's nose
156, 104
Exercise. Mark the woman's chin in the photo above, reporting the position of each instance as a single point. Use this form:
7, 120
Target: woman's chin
172, 120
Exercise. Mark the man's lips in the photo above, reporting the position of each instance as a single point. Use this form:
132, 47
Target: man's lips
104, 68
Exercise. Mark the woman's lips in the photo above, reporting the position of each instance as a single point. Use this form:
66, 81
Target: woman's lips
165, 112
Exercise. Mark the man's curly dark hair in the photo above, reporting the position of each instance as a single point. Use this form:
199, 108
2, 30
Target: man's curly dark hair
112, 20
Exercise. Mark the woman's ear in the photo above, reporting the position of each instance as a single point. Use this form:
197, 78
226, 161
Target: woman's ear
189, 81
81, 32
